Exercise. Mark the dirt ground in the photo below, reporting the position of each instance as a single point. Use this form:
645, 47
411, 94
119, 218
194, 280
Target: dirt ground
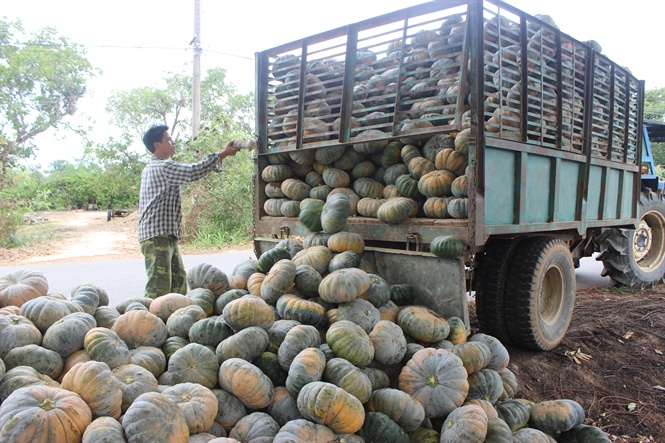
621, 385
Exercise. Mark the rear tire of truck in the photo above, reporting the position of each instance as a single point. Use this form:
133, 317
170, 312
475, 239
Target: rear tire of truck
491, 287
636, 257
540, 293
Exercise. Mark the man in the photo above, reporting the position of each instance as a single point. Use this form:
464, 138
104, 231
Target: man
161, 213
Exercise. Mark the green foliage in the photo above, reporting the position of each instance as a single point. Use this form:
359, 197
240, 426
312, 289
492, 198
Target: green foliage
654, 104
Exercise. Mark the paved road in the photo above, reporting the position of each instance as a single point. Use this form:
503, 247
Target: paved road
124, 279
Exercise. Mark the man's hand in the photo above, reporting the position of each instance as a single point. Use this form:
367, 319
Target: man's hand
228, 151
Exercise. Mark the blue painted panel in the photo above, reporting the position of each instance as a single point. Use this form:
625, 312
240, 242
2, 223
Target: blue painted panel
627, 203
593, 199
612, 193
538, 192
500, 179
569, 187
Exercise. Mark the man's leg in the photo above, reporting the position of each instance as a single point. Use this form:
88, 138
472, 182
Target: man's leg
157, 252
178, 271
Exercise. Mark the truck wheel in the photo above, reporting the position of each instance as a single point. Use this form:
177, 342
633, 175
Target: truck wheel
540, 293
108, 215
636, 257
491, 287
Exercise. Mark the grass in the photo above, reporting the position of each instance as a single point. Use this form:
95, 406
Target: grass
35, 233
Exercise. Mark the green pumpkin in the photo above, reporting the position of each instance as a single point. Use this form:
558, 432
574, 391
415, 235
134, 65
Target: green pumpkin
447, 246
462, 141
423, 324
458, 207
407, 186
247, 344
277, 332
376, 140
306, 367
364, 169
209, 332
393, 172
335, 212
273, 206
391, 154
349, 341
485, 384
274, 190
276, 173
228, 297
368, 188
556, 416
361, 312
290, 208
436, 207
344, 285
296, 339
320, 192
378, 293
278, 281
474, 355
419, 167
436, 183
379, 428
401, 407
307, 281
209, 277
368, 207
310, 216
329, 405
514, 412
345, 375
270, 257
336, 178
307, 312
466, 423
396, 210
460, 186
584, 434
317, 257
296, 189
316, 239
402, 294
530, 435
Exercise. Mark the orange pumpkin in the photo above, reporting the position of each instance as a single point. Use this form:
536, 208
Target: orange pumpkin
21, 286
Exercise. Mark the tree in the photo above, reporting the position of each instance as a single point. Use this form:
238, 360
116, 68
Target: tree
42, 77
654, 104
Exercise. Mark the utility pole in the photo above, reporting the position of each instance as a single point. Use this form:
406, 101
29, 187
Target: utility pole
196, 81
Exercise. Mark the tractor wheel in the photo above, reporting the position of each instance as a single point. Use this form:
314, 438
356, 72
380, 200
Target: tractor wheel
636, 257
540, 293
493, 268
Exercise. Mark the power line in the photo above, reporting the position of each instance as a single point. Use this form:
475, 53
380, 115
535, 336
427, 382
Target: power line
170, 48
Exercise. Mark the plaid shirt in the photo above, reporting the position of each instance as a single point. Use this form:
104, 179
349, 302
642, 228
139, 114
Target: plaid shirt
159, 203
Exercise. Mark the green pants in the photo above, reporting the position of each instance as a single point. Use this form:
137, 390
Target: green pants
163, 266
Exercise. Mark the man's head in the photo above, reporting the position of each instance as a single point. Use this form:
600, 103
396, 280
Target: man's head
158, 141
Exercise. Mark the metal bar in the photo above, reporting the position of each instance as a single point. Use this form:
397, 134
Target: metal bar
521, 188
302, 91
555, 182
261, 102
348, 83
610, 129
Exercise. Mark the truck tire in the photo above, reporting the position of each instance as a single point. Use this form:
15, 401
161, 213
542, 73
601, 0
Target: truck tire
636, 257
540, 293
491, 287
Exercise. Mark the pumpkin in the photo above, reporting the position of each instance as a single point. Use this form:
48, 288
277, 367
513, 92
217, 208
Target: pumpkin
240, 274
556, 416
378, 292
451, 160
328, 155
290, 244
172, 344
235, 294
268, 363
302, 430
296, 339
368, 207
436, 183
167, 304
379, 428
197, 403
389, 311
277, 333
349, 159
348, 340
209, 332
435, 144
402, 294
360, 312
306, 367
46, 310
179, 323
370, 141
474, 355
336, 178
420, 166
194, 363
207, 276
230, 409
345, 375
134, 381
104, 430
351, 195
460, 186
344, 285
278, 281
150, 358
310, 216
407, 186
364, 169
97, 386
105, 316
44, 414
122, 306
273, 190
423, 324
307, 281
514, 412
584, 433
485, 384
253, 286
437, 379
284, 407
247, 311
142, 328
509, 382
87, 298
500, 357
393, 172
45, 361
155, 417
292, 307
401, 407
458, 207
530, 435
319, 193
255, 427
396, 210
436, 207
276, 173
389, 343
20, 286
16, 331
106, 346
447, 246
335, 212
20, 377
344, 260
368, 188
425, 435
244, 380
458, 333
296, 189
466, 423
332, 406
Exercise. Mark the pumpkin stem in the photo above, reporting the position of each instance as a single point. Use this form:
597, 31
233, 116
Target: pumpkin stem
128, 380
432, 380
47, 404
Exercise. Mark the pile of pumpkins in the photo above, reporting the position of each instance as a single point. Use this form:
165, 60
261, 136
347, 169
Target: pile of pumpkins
389, 180
305, 344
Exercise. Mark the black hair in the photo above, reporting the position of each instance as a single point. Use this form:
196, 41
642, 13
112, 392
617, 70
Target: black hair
154, 135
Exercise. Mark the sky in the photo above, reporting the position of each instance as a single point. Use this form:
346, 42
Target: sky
137, 42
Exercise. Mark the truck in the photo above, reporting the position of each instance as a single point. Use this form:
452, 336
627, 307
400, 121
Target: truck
530, 141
